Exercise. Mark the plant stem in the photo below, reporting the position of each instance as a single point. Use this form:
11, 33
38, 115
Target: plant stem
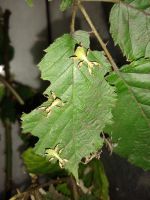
114, 66
74, 11
12, 90
74, 188
89, 21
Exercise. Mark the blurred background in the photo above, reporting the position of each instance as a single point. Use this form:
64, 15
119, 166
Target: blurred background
31, 30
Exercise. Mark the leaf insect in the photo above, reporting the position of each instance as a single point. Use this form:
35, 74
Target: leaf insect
54, 102
52, 154
81, 54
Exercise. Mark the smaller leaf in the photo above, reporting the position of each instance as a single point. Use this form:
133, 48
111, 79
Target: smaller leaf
129, 26
29, 2
65, 4
39, 165
63, 188
100, 180
53, 194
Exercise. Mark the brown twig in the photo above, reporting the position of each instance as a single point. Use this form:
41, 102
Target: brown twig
89, 21
74, 11
36, 187
114, 66
12, 90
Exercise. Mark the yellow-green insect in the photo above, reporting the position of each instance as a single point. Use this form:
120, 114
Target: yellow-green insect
52, 154
81, 55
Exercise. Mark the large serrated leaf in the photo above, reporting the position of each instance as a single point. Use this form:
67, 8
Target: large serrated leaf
131, 127
130, 28
87, 100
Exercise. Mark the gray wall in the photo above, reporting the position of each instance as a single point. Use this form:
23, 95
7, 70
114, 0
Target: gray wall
25, 25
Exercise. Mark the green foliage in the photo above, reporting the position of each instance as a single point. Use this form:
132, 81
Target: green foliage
70, 122
100, 181
130, 25
53, 194
39, 165
63, 188
65, 4
94, 180
131, 127
29, 2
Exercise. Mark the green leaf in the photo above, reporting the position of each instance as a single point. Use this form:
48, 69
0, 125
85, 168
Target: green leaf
101, 184
65, 4
140, 4
29, 2
94, 179
83, 37
71, 129
53, 194
63, 188
37, 164
131, 129
130, 28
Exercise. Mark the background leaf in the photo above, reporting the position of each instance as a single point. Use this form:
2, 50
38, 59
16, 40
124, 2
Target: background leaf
130, 28
39, 165
65, 4
29, 2
88, 99
131, 127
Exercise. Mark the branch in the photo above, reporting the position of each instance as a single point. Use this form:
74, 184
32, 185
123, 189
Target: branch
89, 21
21, 195
74, 188
74, 11
11, 89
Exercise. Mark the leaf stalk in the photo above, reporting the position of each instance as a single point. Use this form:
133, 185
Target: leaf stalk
12, 90
103, 45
